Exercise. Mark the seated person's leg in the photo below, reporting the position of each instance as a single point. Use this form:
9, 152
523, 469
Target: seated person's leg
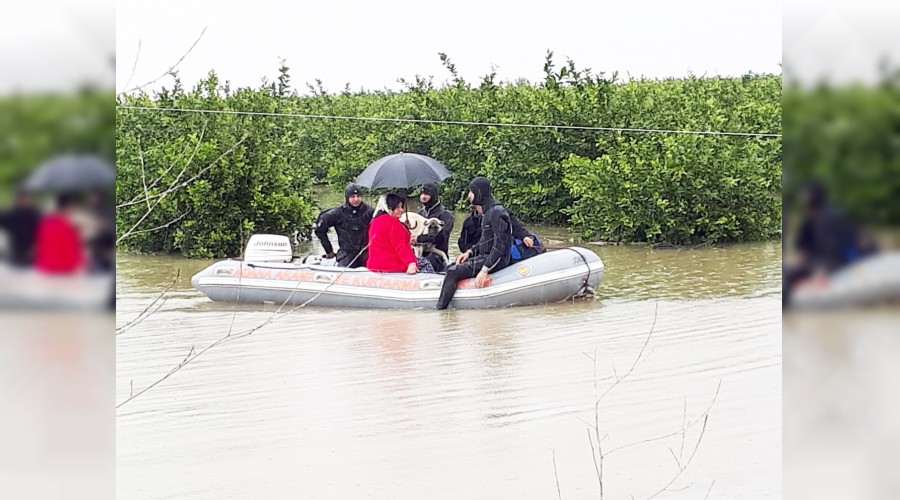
456, 272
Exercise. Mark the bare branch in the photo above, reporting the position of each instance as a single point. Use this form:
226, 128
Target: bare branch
163, 226
637, 359
710, 489
168, 71
683, 428
144, 315
134, 67
136, 200
192, 355
556, 474
144, 175
684, 466
596, 463
174, 187
677, 462
658, 438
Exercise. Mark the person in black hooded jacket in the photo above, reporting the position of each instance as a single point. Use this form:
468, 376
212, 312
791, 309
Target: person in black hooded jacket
491, 253
432, 208
351, 223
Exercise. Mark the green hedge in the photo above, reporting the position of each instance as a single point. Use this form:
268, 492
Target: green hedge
36, 127
543, 175
257, 185
850, 138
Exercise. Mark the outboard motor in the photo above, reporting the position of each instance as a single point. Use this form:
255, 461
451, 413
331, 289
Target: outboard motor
268, 248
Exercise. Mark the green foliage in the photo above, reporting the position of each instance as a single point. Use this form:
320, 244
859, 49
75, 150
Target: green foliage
684, 189
850, 138
240, 174
728, 187
681, 190
36, 127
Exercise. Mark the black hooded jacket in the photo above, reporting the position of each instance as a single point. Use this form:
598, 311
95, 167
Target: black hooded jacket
496, 228
350, 223
21, 223
434, 209
471, 230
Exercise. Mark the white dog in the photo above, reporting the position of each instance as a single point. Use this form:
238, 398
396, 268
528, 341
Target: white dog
419, 225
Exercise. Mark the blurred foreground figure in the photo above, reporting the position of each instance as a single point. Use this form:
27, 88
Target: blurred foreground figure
827, 241
58, 249
21, 223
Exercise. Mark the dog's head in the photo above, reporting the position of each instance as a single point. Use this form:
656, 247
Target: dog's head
433, 226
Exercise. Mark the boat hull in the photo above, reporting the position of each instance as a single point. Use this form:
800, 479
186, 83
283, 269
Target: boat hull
873, 281
550, 277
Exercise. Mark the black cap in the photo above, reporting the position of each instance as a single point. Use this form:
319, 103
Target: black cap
430, 189
350, 190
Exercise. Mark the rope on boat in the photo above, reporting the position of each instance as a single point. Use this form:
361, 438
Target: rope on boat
585, 289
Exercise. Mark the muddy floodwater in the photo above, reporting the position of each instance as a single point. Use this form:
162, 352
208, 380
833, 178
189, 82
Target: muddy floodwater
327, 403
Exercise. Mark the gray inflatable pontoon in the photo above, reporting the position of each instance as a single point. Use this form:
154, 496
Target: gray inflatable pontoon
32, 290
550, 277
874, 280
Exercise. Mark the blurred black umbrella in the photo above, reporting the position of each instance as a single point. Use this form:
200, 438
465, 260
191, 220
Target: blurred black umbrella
72, 173
402, 170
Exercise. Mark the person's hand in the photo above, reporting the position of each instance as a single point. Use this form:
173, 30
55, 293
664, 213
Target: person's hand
463, 257
481, 279
329, 255
412, 269
529, 241
412, 239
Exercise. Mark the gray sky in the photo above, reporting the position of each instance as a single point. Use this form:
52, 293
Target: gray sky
371, 44
840, 42
48, 45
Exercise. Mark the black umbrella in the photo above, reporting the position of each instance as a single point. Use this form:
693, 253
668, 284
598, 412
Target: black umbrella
72, 173
402, 170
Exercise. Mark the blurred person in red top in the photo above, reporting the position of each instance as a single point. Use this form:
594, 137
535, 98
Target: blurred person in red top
390, 250
58, 249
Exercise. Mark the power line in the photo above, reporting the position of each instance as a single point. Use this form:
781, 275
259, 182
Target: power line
449, 122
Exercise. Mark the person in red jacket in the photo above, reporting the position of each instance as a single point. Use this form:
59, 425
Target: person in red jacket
58, 247
389, 240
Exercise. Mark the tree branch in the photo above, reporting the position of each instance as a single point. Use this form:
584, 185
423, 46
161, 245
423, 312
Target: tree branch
168, 71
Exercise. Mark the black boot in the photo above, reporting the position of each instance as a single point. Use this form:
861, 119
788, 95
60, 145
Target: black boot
448, 289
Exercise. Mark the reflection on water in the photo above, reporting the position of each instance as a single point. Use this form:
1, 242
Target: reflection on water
326, 403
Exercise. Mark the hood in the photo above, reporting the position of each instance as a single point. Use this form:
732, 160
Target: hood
481, 188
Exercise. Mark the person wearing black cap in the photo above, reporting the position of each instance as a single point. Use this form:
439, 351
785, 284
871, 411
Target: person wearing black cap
351, 223
491, 253
432, 208
21, 223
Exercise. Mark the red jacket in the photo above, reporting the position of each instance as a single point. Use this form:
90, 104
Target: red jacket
389, 249
58, 246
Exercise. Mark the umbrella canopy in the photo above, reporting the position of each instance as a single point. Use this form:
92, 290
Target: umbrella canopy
72, 173
402, 170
